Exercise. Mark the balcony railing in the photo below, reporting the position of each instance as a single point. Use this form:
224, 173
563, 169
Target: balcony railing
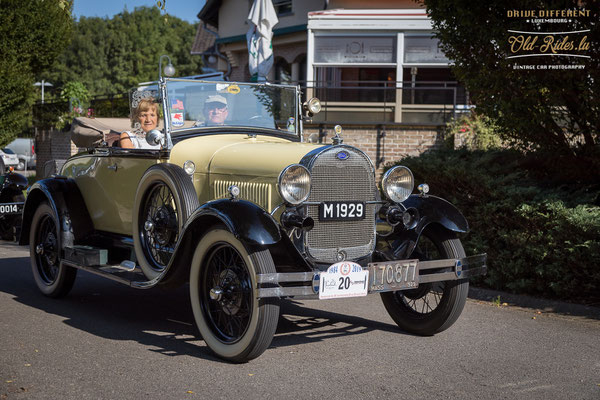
369, 102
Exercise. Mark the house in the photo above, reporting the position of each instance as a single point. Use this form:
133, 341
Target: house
375, 65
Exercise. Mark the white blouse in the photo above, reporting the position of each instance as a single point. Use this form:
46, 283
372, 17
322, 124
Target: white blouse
139, 141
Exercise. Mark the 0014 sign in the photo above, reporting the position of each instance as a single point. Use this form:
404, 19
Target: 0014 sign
9, 209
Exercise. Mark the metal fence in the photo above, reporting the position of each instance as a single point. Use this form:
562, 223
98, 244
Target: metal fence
372, 102
47, 115
357, 102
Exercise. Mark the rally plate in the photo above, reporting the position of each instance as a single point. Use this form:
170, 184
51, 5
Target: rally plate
343, 279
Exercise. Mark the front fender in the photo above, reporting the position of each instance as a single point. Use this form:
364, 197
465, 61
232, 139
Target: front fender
435, 209
430, 210
247, 221
251, 224
63, 195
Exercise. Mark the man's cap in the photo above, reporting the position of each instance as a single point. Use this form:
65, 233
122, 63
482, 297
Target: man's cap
216, 99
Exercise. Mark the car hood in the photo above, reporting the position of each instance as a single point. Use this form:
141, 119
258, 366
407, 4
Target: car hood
240, 155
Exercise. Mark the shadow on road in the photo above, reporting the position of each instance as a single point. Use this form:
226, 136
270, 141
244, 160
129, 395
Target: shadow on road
162, 319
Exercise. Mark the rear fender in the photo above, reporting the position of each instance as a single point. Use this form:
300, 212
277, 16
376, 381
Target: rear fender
63, 195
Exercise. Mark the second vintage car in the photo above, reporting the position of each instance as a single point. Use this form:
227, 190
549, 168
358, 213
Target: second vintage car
222, 193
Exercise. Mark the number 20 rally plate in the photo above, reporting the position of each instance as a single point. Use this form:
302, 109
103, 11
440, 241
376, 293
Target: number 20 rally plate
343, 279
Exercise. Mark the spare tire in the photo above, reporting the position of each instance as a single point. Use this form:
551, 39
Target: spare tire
164, 200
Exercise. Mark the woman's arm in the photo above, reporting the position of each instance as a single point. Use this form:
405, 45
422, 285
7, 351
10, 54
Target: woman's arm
125, 141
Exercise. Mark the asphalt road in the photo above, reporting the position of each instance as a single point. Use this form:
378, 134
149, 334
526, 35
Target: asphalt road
107, 341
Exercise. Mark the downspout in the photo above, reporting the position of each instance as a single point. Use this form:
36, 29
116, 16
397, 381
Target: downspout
217, 52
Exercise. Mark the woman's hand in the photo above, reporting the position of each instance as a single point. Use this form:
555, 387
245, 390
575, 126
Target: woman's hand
125, 141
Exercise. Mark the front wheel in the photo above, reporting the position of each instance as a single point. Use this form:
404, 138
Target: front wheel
432, 307
234, 323
52, 278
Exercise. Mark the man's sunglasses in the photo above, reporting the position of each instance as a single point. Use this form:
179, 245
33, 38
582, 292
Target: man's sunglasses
218, 106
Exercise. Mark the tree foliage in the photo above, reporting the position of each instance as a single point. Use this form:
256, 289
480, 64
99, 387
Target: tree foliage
554, 109
33, 34
110, 56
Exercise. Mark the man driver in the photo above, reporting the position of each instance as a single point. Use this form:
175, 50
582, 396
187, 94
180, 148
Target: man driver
215, 110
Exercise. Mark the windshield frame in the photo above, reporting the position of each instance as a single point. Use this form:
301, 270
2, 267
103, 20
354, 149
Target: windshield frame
296, 135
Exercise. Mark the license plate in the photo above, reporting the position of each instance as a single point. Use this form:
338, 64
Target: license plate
343, 279
393, 275
341, 211
11, 208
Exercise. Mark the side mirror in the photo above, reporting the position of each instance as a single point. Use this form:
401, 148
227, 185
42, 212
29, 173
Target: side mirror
154, 137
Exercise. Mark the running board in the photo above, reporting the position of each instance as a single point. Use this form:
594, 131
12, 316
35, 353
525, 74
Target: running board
95, 260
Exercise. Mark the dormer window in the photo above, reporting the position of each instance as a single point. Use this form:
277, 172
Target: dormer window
283, 7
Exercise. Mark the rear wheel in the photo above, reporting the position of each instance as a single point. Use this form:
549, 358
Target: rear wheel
52, 278
432, 307
235, 324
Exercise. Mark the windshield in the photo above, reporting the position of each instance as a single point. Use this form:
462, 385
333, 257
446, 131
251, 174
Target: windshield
8, 151
198, 104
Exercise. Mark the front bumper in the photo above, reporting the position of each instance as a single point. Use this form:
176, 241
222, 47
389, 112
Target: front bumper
411, 274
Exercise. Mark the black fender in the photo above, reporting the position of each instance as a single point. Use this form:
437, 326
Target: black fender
63, 195
435, 209
251, 224
430, 210
13, 184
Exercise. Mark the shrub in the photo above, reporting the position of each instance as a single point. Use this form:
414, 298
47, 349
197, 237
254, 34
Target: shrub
473, 131
541, 235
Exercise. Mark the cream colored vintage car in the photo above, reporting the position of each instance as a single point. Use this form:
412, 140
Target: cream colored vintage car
247, 213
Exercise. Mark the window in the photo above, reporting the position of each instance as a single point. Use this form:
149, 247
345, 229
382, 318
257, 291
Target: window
282, 7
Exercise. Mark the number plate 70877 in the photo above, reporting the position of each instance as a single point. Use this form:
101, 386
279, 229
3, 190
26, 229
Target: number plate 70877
393, 275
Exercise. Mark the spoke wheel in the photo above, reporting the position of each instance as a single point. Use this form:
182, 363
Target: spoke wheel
52, 278
164, 200
160, 225
432, 307
234, 323
226, 293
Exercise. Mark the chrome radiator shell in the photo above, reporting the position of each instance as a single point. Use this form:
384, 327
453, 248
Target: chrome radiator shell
336, 179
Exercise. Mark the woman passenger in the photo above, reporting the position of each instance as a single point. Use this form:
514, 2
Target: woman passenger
146, 115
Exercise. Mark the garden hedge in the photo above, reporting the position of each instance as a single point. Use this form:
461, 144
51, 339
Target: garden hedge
539, 226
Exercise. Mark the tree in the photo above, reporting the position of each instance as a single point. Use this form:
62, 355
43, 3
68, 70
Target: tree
110, 56
553, 109
33, 34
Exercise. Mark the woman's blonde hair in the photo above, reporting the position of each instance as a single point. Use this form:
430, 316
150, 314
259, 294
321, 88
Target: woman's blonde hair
143, 106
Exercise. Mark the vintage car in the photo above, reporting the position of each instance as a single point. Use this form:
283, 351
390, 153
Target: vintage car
12, 200
247, 213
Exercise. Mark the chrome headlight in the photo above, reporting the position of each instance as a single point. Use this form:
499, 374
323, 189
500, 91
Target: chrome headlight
398, 183
294, 184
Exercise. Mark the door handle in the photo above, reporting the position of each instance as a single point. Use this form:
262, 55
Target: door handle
113, 167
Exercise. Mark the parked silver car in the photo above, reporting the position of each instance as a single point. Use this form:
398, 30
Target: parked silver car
9, 159
24, 148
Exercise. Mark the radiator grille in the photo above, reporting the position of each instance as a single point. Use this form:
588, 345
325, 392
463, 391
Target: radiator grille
258, 193
352, 179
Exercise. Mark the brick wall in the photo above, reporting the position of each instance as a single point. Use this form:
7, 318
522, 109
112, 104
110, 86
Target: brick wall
52, 145
384, 144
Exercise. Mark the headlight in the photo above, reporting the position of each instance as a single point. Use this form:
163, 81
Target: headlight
312, 106
294, 184
398, 183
